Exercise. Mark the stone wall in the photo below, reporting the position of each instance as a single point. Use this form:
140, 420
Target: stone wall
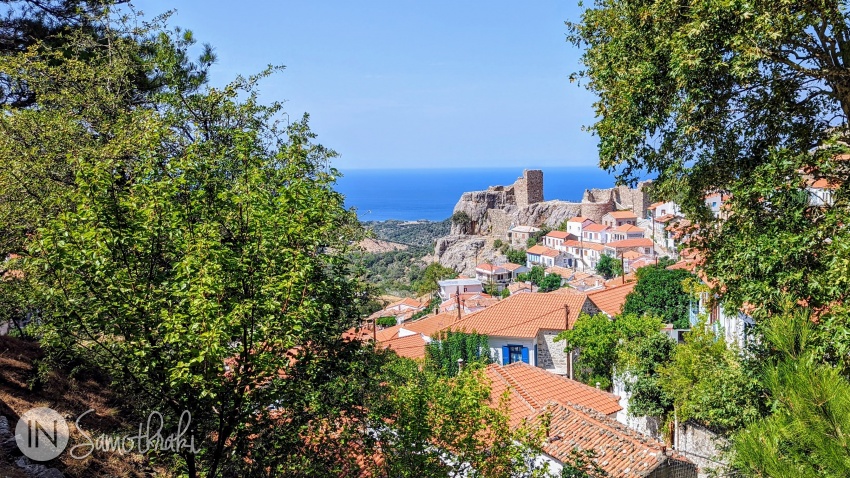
529, 188
701, 446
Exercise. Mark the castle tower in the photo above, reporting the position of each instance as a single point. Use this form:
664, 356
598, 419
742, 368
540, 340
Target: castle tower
529, 188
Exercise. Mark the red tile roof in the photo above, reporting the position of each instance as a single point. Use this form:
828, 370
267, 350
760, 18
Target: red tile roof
411, 346
407, 301
537, 386
622, 215
627, 228
579, 219
511, 266
595, 228
638, 242
543, 251
630, 255
430, 325
621, 452
665, 218
824, 184
523, 315
611, 300
558, 234
655, 205
595, 246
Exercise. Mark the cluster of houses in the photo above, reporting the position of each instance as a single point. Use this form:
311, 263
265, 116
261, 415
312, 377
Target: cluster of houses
584, 242
536, 373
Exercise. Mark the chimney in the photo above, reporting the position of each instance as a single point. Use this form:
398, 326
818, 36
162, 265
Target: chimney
566, 317
598, 385
459, 365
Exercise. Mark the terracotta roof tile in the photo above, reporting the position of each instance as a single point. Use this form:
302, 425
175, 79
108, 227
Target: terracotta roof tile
541, 386
622, 215
638, 242
621, 452
430, 325
523, 315
655, 205
510, 266
407, 301
558, 234
543, 251
579, 219
627, 228
596, 228
410, 346
611, 300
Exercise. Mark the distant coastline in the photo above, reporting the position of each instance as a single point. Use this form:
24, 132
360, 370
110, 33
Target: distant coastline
431, 194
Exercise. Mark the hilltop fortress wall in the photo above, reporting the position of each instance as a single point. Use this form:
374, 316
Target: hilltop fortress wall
491, 213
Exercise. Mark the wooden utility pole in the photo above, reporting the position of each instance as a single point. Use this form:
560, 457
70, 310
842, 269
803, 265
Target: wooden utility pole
457, 296
570, 353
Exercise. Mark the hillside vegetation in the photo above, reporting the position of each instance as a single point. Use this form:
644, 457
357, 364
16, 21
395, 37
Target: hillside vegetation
419, 233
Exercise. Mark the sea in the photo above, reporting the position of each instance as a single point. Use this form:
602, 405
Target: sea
431, 194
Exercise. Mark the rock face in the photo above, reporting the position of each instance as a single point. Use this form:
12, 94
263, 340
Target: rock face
463, 252
480, 217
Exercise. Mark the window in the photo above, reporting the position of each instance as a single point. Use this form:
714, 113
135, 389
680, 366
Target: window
514, 353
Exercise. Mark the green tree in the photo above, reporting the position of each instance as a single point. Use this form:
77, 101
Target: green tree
443, 353
609, 266
516, 256
193, 252
737, 98
659, 292
535, 275
599, 340
437, 426
550, 282
638, 363
709, 383
434, 273
810, 403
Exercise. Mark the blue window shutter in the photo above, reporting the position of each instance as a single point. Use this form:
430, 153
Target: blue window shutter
525, 354
506, 355
536, 363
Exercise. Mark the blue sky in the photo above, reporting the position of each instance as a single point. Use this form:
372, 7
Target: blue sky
392, 84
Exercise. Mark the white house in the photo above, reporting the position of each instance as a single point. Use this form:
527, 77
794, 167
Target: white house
518, 235
523, 327
626, 231
545, 256
493, 274
597, 233
555, 239
576, 225
450, 287
619, 218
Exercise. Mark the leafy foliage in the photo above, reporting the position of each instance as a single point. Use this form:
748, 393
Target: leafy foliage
429, 418
810, 403
737, 98
609, 267
445, 350
582, 464
433, 273
599, 339
550, 282
386, 321
708, 382
191, 250
535, 275
420, 234
516, 256
398, 271
639, 362
659, 292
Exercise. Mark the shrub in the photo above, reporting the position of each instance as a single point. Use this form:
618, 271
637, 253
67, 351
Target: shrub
386, 321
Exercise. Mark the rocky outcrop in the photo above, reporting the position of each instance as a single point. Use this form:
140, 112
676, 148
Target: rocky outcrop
480, 217
463, 252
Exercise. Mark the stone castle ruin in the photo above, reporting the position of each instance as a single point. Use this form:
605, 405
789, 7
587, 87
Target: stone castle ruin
482, 216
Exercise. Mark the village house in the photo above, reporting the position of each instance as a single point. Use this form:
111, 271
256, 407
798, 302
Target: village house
468, 303
576, 225
521, 287
410, 338
579, 416
596, 233
715, 201
610, 300
449, 287
545, 256
523, 327
661, 209
591, 253
489, 274
555, 239
627, 231
633, 260
643, 246
518, 235
514, 269
820, 192
619, 218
